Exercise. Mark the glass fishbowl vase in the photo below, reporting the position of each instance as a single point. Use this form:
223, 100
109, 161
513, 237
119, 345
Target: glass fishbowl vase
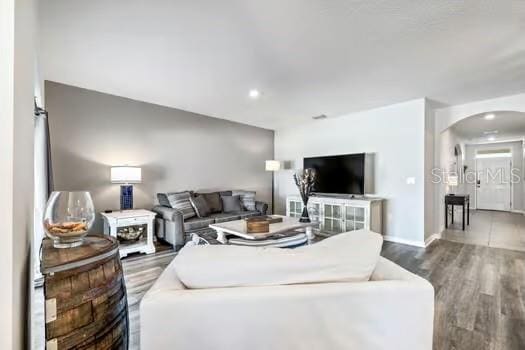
68, 217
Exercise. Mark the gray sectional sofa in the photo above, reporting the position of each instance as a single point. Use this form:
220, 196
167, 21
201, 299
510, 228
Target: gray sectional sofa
178, 217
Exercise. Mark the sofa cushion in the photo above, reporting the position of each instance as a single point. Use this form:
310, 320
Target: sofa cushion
247, 199
224, 217
181, 201
197, 223
231, 204
200, 206
163, 199
213, 200
347, 257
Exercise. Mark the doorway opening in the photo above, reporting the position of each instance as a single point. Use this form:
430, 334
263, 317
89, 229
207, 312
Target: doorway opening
484, 154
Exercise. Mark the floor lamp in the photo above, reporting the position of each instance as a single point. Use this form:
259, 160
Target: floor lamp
273, 166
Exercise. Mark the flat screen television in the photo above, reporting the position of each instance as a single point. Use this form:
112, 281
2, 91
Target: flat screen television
342, 174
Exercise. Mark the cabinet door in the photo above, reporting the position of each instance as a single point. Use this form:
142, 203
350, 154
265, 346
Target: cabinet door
355, 218
349, 218
359, 218
296, 208
333, 218
333, 211
332, 226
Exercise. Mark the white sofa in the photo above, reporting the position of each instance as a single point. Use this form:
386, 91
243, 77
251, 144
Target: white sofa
394, 310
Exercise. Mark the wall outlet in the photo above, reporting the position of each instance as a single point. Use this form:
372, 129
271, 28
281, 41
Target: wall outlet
411, 180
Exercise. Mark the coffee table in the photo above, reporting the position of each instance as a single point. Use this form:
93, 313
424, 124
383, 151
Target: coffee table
238, 228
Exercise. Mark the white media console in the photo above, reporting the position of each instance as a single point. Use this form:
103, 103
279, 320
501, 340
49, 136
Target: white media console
338, 214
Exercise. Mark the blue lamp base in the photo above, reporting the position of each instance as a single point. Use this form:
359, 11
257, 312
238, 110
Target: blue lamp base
126, 197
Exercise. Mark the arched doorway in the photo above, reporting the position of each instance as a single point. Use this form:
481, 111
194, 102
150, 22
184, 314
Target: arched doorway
482, 156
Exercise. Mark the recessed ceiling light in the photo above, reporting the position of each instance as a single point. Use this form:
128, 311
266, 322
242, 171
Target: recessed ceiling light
489, 116
491, 138
254, 93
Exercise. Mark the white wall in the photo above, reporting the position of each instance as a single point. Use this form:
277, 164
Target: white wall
16, 169
430, 187
445, 161
395, 134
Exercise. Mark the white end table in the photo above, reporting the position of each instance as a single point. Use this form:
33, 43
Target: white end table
125, 218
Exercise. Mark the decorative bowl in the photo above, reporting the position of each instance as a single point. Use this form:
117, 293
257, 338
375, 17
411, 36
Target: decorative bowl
68, 217
131, 233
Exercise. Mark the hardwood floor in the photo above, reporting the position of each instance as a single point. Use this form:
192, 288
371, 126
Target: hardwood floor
480, 292
140, 273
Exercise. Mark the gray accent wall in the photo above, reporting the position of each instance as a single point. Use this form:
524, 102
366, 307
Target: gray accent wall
177, 150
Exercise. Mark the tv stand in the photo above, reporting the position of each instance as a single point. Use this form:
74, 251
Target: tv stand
340, 213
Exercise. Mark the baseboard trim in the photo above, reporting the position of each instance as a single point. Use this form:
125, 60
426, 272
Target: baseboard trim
522, 212
404, 241
432, 238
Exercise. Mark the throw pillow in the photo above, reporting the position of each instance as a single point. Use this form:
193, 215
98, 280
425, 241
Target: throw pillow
163, 199
201, 207
231, 204
347, 257
213, 200
247, 199
181, 201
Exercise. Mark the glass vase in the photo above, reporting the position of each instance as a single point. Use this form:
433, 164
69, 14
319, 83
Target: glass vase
68, 217
304, 216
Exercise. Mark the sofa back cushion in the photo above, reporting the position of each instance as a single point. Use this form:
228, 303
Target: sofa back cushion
247, 199
181, 201
200, 206
231, 204
213, 199
163, 199
347, 257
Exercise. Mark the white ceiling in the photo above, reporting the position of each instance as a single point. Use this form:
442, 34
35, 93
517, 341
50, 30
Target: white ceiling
507, 124
307, 57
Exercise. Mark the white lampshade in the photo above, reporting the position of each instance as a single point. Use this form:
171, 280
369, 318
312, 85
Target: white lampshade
126, 174
273, 165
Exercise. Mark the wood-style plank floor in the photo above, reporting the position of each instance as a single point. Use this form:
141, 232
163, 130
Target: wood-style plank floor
480, 292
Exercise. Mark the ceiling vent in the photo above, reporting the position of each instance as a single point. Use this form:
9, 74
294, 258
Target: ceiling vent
322, 116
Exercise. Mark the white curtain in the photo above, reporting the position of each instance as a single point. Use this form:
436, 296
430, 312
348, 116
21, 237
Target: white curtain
42, 181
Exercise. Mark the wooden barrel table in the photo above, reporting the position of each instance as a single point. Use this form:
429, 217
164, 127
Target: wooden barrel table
85, 296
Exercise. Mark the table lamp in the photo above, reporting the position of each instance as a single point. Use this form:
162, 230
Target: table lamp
126, 175
452, 181
273, 166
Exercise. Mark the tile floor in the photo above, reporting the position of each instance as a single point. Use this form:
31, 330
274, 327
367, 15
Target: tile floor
489, 228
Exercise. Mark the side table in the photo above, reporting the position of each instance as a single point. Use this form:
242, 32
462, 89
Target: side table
463, 201
117, 223
85, 296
